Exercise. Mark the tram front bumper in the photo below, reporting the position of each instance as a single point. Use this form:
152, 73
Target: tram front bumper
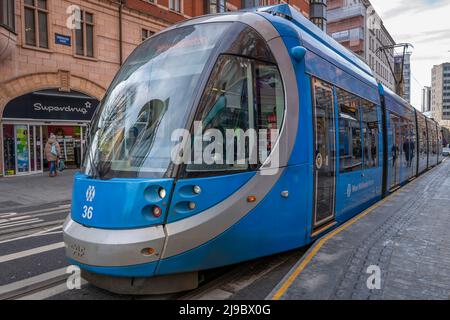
130, 252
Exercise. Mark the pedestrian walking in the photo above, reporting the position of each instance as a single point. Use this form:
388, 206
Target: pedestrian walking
52, 153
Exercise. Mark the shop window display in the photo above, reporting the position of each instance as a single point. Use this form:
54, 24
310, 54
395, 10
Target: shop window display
69, 139
23, 147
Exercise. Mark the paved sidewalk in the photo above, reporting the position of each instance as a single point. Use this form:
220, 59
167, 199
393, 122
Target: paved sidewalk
407, 237
35, 190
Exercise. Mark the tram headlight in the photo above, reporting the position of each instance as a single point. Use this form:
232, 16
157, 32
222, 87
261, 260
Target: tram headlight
197, 189
156, 211
162, 193
191, 205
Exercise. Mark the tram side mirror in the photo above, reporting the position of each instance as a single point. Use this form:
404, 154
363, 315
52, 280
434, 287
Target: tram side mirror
298, 53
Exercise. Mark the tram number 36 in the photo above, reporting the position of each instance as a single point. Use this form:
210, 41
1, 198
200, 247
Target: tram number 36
87, 212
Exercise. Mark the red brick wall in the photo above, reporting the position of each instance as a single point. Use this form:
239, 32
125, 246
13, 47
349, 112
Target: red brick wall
357, 47
234, 4
301, 5
345, 24
158, 11
333, 4
193, 8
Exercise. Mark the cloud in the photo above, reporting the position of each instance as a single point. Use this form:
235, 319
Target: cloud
427, 57
413, 6
426, 25
431, 36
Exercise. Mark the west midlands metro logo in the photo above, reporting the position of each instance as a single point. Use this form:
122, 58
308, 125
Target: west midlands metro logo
90, 193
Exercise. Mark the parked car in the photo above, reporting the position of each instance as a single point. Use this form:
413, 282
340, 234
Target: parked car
446, 151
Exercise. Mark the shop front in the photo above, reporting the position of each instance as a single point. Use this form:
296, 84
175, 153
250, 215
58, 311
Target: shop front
28, 121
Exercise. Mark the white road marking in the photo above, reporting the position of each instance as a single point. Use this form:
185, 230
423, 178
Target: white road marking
53, 232
37, 214
14, 224
22, 284
31, 252
14, 219
37, 234
60, 208
9, 214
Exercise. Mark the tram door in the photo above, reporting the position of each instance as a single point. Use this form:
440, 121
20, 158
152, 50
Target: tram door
324, 153
396, 150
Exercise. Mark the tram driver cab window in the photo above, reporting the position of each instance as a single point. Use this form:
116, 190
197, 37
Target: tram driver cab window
241, 110
242, 105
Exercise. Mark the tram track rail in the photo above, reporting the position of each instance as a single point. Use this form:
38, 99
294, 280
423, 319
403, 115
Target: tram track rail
217, 284
32, 285
226, 284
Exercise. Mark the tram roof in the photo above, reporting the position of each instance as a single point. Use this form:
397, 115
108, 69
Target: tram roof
291, 14
395, 97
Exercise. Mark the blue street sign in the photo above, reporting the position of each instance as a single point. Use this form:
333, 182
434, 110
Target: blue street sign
62, 39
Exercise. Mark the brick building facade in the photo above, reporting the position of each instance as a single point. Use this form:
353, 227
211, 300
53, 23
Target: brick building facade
356, 25
44, 63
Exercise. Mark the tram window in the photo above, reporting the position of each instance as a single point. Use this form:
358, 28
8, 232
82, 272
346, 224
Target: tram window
350, 148
248, 43
148, 101
411, 140
269, 104
242, 98
370, 133
422, 137
407, 142
433, 139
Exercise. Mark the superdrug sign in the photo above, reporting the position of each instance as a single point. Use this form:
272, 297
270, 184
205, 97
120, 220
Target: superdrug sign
51, 105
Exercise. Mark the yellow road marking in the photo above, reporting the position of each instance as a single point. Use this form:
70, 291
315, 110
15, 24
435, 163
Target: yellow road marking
319, 245
323, 240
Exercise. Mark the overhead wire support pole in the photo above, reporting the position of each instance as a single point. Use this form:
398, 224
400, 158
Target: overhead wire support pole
398, 79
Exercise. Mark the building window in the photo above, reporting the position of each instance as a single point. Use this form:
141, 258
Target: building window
175, 5
254, 3
216, 6
84, 36
7, 14
146, 34
36, 23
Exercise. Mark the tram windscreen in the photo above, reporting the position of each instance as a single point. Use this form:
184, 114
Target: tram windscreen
150, 98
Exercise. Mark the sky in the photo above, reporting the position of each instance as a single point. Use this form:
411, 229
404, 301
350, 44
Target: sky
426, 25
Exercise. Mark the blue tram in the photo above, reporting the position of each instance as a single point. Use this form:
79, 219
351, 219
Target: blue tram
144, 223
